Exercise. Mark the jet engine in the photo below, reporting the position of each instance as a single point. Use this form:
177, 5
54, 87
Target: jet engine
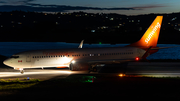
79, 66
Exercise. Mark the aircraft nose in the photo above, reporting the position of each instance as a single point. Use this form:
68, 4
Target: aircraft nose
6, 62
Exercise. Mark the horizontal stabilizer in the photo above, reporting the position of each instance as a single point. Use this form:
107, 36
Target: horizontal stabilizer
156, 48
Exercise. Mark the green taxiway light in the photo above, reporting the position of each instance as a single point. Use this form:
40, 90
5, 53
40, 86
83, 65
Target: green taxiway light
88, 79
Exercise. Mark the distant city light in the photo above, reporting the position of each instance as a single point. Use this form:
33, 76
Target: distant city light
93, 31
111, 19
19, 23
174, 18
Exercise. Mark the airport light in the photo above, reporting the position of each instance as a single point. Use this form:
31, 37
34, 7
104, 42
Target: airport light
121, 75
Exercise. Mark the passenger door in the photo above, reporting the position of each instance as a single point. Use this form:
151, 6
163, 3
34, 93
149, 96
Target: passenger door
28, 58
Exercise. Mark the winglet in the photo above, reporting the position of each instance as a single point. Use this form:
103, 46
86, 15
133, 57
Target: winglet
150, 37
81, 44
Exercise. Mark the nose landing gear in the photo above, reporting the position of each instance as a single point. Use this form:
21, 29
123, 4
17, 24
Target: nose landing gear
22, 71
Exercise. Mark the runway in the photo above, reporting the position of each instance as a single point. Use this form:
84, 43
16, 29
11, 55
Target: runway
44, 74
154, 69
140, 69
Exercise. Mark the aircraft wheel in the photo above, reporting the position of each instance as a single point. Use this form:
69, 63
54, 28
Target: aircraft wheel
94, 69
22, 71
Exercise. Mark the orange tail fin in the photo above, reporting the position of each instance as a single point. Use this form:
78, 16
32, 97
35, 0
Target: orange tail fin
150, 38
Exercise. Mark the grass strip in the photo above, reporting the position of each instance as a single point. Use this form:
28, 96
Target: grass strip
17, 84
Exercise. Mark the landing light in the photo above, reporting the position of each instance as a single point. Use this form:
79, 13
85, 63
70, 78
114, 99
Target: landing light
66, 60
73, 61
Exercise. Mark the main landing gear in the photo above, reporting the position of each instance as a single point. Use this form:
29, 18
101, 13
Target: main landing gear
93, 69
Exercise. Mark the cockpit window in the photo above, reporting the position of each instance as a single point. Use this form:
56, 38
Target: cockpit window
14, 57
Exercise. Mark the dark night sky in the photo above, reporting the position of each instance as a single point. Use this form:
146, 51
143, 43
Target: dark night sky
128, 7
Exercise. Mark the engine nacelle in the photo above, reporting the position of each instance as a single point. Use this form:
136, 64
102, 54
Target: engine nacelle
79, 66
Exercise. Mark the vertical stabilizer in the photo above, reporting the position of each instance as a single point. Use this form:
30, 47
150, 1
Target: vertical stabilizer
150, 37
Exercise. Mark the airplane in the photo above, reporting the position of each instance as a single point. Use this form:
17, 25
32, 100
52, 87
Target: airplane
77, 59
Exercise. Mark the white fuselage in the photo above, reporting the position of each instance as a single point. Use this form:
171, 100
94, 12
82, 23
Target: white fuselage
63, 57
80, 57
